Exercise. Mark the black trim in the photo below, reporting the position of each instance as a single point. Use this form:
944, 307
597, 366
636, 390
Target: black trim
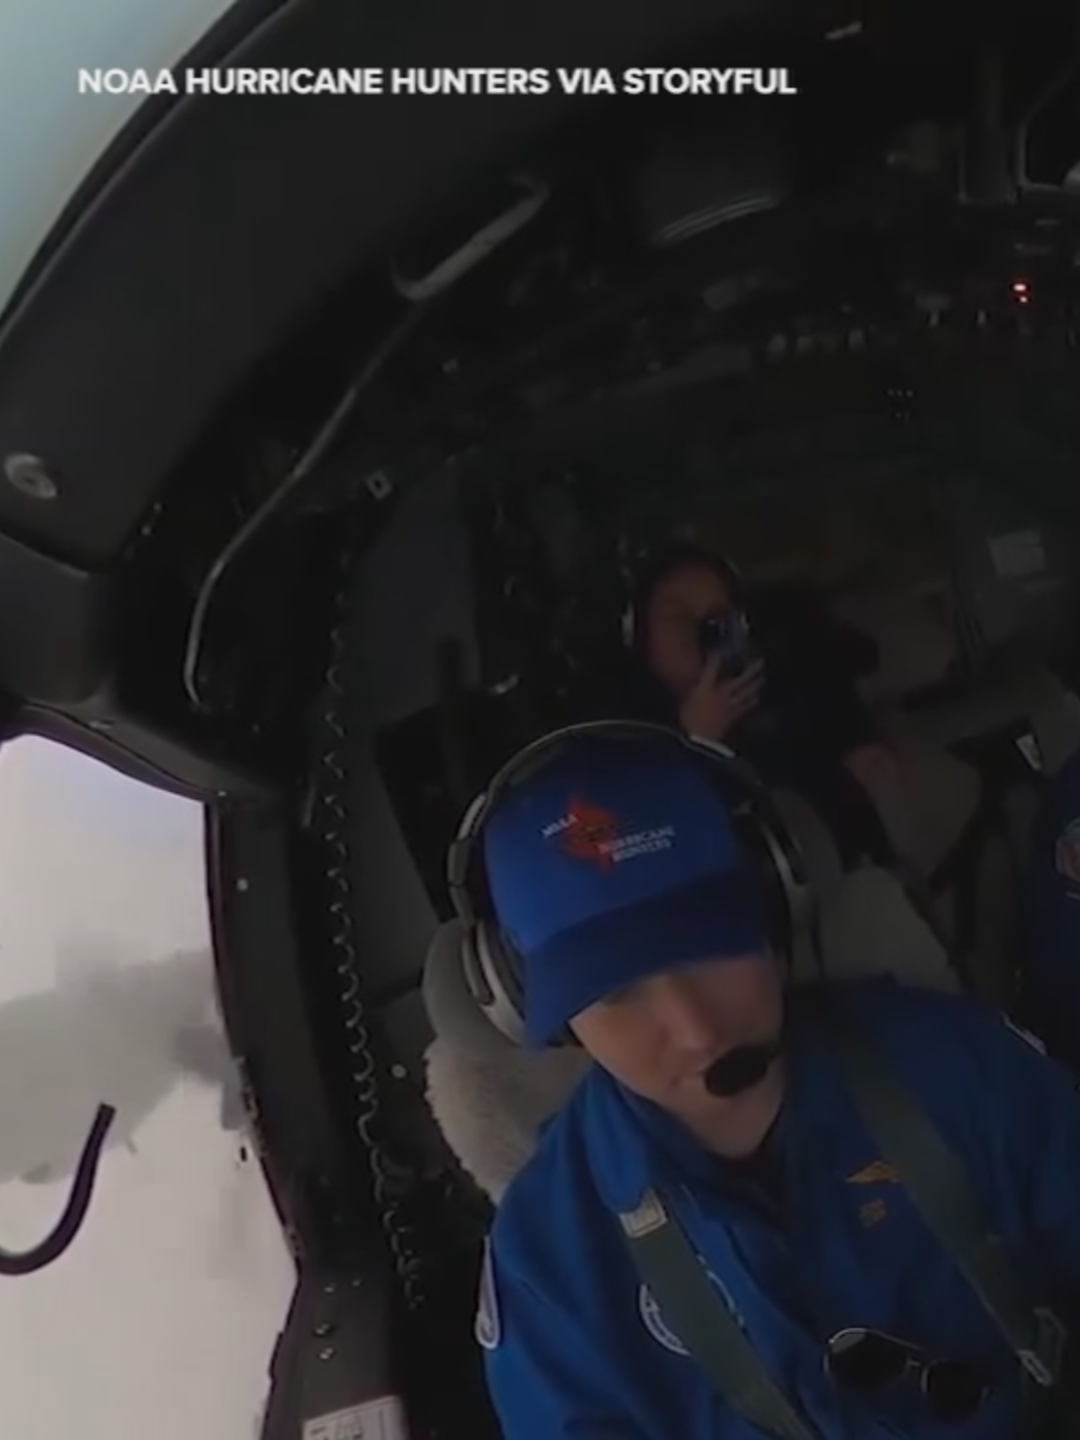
317, 1177
154, 752
58, 621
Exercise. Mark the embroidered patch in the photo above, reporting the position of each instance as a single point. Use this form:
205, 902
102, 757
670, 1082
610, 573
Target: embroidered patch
488, 1326
656, 1325
1025, 1035
878, 1172
662, 1332
873, 1213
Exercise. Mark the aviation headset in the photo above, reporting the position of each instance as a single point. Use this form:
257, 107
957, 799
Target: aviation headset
664, 562
492, 969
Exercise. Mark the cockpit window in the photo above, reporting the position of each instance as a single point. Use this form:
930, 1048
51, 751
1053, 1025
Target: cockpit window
107, 998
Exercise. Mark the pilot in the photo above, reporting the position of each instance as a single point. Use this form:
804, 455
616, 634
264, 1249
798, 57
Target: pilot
1051, 916
774, 680
626, 889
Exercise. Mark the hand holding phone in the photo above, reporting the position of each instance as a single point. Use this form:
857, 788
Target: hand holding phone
728, 637
717, 703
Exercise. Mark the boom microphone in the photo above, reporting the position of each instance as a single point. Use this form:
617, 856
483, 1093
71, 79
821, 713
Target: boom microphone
741, 1069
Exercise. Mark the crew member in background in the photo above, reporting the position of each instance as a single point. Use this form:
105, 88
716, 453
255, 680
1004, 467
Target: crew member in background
716, 1090
772, 676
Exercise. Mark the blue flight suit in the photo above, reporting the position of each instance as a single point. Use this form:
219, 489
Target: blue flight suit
576, 1348
1051, 937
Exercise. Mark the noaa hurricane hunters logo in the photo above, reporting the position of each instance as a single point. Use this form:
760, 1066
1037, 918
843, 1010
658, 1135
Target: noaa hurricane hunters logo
591, 834
656, 1325
662, 1332
1067, 855
599, 837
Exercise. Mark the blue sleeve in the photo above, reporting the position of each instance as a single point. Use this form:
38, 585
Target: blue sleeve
546, 1379
1039, 1105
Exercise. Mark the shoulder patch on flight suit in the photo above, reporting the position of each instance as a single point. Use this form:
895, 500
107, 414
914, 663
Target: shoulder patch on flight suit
655, 1323
1025, 1035
488, 1326
662, 1332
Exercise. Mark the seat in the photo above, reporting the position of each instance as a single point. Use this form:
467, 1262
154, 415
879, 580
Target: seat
490, 1099
867, 922
940, 790
951, 821
869, 926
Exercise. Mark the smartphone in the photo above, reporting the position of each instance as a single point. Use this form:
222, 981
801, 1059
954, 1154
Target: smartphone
729, 636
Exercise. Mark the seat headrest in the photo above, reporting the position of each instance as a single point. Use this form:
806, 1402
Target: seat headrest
450, 1004
488, 1097
870, 927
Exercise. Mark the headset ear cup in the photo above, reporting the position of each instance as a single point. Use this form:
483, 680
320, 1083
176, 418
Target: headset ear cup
475, 975
498, 988
763, 833
502, 998
784, 863
505, 968
779, 917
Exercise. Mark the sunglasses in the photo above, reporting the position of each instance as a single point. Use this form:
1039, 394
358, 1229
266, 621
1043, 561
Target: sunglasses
864, 1360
